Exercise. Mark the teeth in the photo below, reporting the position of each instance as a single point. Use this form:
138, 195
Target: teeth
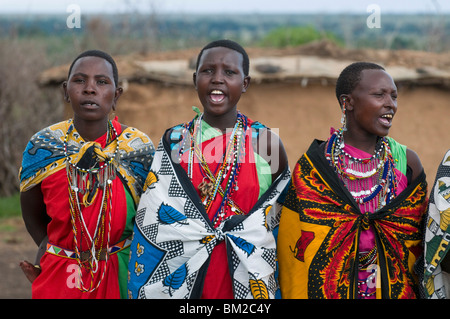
389, 116
216, 92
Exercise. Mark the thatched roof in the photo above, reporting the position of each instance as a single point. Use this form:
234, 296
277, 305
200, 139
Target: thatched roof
317, 62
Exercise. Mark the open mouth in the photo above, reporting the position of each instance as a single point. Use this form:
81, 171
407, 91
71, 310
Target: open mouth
90, 104
386, 119
217, 96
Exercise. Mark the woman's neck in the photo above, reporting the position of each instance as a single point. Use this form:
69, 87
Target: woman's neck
222, 122
361, 142
91, 130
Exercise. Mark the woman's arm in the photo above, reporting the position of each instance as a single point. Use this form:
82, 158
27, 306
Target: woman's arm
34, 213
36, 219
271, 149
414, 163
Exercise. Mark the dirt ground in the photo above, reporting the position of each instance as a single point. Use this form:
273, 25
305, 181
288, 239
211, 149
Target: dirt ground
15, 245
297, 113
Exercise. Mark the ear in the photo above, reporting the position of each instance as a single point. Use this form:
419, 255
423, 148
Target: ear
246, 84
346, 100
194, 78
117, 94
65, 93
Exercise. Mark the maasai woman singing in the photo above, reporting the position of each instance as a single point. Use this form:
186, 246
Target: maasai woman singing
81, 181
205, 227
351, 225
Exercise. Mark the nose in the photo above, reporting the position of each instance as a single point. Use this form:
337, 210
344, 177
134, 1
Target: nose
217, 77
89, 87
391, 102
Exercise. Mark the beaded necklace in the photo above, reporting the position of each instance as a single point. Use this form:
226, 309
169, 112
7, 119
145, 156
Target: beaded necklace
378, 169
228, 170
373, 184
86, 182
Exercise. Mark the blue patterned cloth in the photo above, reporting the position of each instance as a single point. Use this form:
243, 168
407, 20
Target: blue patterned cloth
173, 238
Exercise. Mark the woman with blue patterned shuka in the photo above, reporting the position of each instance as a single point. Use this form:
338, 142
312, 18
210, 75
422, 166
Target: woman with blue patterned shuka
206, 225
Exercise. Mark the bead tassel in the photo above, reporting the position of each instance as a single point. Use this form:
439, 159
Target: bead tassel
85, 183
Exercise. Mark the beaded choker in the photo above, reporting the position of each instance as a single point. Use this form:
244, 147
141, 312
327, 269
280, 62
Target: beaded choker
94, 171
374, 176
228, 170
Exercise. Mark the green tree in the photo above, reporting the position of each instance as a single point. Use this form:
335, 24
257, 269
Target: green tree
293, 36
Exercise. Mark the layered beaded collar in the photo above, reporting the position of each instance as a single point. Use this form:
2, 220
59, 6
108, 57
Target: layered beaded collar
379, 168
94, 170
212, 183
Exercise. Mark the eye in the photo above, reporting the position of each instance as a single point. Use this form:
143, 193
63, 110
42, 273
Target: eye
229, 72
206, 70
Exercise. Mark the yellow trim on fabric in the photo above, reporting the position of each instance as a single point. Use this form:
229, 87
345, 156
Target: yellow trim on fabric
28, 183
411, 262
378, 289
294, 274
411, 257
378, 294
41, 175
313, 168
127, 135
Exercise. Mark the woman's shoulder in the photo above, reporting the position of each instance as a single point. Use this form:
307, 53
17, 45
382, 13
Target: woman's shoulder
123, 128
54, 131
174, 134
269, 146
413, 162
134, 139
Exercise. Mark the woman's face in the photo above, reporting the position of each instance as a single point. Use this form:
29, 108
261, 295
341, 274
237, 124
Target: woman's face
220, 81
372, 105
91, 89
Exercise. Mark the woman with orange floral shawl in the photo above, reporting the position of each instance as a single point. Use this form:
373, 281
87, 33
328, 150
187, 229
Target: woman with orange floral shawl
351, 226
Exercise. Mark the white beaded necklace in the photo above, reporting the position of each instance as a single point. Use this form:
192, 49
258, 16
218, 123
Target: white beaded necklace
86, 182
